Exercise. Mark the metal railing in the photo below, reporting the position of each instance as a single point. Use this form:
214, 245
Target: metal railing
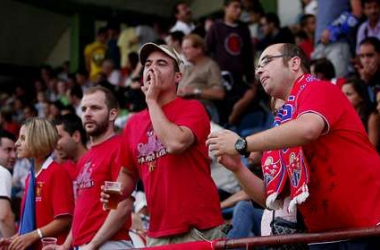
250, 243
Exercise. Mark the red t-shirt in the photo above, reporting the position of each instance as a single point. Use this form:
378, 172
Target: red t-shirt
179, 189
95, 167
54, 195
71, 168
344, 166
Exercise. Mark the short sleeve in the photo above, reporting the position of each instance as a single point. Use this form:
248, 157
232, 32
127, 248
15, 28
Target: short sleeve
324, 99
214, 76
124, 158
196, 119
115, 166
61, 193
5, 183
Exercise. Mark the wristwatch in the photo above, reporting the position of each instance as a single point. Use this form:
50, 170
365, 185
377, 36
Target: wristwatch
197, 92
241, 146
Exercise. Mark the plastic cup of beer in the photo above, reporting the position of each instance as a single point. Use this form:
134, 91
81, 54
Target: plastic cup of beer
49, 243
113, 190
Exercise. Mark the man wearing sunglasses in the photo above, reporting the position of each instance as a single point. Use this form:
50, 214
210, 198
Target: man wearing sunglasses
333, 170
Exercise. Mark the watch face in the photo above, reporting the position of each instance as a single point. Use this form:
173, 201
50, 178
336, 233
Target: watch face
240, 145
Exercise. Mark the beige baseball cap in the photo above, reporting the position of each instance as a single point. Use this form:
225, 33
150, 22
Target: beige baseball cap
148, 48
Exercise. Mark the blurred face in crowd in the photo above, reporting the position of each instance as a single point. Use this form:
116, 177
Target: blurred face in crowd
184, 13
310, 25
102, 37
372, 11
107, 67
7, 153
369, 58
266, 27
29, 113
351, 94
21, 146
54, 110
190, 51
61, 87
233, 10
66, 143
95, 113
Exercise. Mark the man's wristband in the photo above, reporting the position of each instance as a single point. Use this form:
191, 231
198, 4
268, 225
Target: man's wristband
39, 232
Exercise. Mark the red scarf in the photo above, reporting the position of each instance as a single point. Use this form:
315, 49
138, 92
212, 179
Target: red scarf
279, 166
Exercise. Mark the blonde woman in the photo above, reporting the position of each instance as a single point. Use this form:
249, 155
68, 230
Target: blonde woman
51, 201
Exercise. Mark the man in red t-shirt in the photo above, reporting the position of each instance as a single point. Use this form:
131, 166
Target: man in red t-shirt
164, 146
344, 180
71, 145
94, 228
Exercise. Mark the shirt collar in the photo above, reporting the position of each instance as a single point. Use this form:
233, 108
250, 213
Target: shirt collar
46, 164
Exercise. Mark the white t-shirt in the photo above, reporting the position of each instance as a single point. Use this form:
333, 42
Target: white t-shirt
5, 183
184, 27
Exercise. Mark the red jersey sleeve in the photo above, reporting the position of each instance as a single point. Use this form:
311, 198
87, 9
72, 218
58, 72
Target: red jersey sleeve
124, 157
115, 166
196, 119
61, 193
324, 99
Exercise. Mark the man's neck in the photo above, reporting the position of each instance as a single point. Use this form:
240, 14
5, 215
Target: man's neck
96, 140
291, 86
167, 99
373, 23
230, 21
81, 150
185, 22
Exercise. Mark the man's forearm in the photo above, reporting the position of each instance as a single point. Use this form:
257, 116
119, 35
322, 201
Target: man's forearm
294, 133
7, 219
69, 240
115, 220
252, 185
174, 137
7, 226
233, 199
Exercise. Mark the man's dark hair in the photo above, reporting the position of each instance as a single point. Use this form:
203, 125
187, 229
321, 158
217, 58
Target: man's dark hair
291, 50
374, 41
301, 34
325, 67
369, 1
227, 2
177, 36
304, 19
77, 91
102, 31
72, 123
6, 134
257, 8
32, 109
110, 98
273, 18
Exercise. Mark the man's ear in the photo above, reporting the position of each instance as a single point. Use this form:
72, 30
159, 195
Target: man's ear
295, 63
178, 77
113, 114
76, 137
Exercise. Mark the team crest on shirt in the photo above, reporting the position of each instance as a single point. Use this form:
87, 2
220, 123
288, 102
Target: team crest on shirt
150, 151
233, 44
39, 186
84, 179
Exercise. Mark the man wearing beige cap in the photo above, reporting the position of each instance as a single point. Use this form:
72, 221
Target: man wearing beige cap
164, 146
